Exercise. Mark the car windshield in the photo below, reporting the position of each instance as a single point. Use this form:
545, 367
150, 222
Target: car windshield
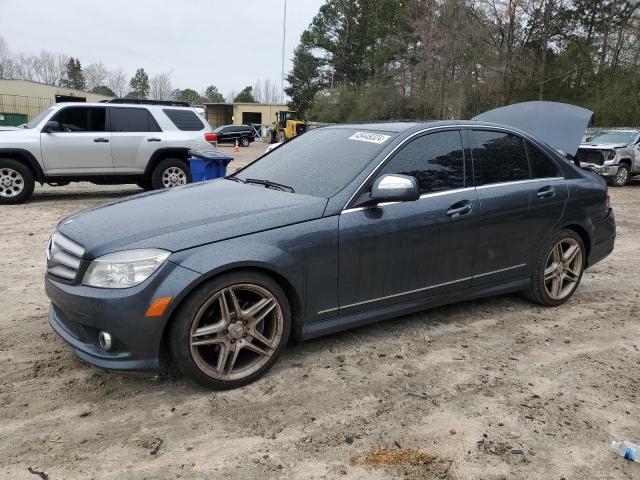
219, 129
613, 137
38, 118
319, 163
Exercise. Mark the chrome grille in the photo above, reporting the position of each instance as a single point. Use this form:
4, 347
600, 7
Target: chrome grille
591, 156
63, 257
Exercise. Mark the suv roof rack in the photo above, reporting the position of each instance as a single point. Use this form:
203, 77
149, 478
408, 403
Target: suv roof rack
167, 103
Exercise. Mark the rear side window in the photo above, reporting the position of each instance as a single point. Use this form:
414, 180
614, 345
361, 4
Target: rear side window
132, 120
541, 165
81, 119
435, 160
498, 157
185, 120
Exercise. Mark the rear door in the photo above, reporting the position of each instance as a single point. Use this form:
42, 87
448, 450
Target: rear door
135, 136
81, 144
402, 251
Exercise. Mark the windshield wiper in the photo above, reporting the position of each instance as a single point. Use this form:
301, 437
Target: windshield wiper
236, 179
270, 184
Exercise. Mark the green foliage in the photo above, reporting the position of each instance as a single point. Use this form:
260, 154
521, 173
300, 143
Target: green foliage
213, 95
139, 85
190, 96
103, 90
304, 82
245, 96
74, 77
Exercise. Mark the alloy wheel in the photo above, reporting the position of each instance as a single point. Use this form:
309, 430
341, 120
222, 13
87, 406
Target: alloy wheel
11, 183
236, 332
563, 268
622, 176
174, 177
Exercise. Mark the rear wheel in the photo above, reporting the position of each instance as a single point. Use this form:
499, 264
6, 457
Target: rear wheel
281, 137
170, 172
622, 177
244, 141
16, 182
231, 330
558, 271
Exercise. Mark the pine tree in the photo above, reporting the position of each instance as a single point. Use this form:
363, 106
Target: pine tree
74, 76
139, 84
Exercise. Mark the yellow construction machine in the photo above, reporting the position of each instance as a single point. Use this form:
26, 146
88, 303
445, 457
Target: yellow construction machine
288, 124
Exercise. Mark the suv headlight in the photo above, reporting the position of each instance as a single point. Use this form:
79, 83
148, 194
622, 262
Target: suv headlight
124, 269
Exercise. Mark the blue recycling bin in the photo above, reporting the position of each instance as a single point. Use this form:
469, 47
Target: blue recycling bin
207, 165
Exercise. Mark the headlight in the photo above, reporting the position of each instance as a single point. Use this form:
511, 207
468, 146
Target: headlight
124, 269
611, 155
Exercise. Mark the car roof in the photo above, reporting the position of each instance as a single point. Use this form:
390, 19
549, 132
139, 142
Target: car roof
120, 105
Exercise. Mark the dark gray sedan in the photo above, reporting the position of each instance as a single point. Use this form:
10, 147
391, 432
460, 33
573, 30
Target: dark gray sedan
340, 227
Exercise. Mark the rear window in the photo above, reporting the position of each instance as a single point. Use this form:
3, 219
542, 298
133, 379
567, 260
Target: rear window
321, 162
132, 120
185, 120
498, 157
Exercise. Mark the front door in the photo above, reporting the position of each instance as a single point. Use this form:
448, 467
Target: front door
80, 145
135, 136
397, 252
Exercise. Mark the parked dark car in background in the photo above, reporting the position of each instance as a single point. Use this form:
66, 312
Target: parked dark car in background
244, 134
340, 227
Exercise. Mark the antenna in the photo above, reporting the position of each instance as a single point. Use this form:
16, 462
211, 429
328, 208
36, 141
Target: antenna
284, 36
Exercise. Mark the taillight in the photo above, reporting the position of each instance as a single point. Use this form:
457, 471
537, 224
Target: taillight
210, 136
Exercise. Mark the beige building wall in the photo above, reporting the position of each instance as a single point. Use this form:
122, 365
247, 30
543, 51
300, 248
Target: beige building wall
30, 98
242, 113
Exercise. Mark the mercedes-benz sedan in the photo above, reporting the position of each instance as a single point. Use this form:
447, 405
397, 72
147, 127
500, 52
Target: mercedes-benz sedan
340, 227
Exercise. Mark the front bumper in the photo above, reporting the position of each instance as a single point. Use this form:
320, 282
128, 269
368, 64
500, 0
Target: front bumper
604, 170
78, 313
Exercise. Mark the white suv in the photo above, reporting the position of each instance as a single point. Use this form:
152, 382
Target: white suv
145, 143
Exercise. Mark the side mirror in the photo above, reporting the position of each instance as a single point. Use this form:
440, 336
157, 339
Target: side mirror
51, 127
394, 188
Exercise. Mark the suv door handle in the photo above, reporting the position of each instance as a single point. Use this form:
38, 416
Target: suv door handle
154, 139
459, 208
101, 140
546, 192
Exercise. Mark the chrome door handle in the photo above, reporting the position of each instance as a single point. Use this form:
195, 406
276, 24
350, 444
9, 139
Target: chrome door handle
459, 208
546, 192
101, 140
154, 139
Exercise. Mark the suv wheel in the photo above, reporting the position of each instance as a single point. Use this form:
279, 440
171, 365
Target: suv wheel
244, 141
558, 269
16, 182
622, 177
231, 330
170, 172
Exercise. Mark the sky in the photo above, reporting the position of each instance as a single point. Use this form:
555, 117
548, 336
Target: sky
227, 43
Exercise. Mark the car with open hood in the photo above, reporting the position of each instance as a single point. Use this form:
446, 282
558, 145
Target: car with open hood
340, 227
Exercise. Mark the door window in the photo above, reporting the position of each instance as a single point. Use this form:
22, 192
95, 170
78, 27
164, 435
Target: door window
498, 157
132, 120
81, 119
541, 165
435, 160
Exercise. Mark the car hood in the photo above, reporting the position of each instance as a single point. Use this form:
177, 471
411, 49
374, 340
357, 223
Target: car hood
186, 217
601, 146
559, 125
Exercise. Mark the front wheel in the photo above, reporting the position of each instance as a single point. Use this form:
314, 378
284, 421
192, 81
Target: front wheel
16, 182
170, 172
244, 141
622, 177
231, 330
558, 270
281, 137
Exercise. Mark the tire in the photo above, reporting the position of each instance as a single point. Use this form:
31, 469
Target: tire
622, 177
281, 137
16, 182
245, 142
544, 288
145, 184
213, 362
170, 172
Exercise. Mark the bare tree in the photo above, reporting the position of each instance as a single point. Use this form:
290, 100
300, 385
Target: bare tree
95, 75
7, 63
266, 91
161, 88
117, 81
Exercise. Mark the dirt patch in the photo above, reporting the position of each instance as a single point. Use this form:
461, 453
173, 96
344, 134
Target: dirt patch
424, 464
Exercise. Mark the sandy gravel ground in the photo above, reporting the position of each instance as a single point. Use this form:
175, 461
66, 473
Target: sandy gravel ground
496, 388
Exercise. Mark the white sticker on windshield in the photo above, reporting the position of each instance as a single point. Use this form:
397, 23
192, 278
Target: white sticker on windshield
370, 137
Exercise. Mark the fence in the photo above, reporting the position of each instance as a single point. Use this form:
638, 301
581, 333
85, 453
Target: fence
19, 108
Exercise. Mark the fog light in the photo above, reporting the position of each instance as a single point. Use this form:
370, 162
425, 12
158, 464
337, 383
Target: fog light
104, 339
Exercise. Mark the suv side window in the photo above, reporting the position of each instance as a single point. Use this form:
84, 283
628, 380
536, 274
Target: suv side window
541, 165
498, 157
81, 119
436, 160
132, 120
185, 120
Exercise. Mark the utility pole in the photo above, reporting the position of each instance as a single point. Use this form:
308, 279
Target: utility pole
284, 36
